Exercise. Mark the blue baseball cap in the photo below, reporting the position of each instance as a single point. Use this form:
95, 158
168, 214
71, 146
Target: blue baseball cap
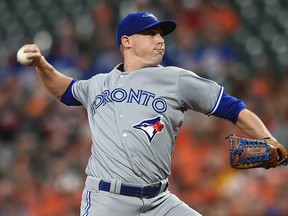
139, 21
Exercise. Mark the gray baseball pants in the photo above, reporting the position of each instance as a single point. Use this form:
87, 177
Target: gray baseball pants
96, 202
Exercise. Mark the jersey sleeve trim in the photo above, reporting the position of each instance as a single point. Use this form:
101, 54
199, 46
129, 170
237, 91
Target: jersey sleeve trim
69, 98
229, 108
217, 101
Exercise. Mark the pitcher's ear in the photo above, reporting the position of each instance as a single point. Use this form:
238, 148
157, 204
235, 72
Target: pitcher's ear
125, 41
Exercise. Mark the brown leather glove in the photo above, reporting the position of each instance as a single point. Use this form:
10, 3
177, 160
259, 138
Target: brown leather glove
252, 153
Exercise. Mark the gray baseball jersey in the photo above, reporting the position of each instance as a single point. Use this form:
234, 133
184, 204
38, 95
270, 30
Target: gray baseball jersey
135, 117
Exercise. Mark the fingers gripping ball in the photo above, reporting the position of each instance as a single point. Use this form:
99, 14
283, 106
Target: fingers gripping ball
252, 153
22, 57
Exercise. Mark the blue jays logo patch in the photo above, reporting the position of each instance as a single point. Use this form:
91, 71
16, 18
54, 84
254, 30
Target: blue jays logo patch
150, 127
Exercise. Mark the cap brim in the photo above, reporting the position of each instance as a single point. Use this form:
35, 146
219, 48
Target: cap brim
167, 26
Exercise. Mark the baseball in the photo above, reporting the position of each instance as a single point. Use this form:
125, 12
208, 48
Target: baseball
22, 57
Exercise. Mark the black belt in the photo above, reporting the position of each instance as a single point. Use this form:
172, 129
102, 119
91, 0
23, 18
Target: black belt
148, 191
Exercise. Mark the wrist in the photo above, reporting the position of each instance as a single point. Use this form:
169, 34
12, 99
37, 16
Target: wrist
42, 64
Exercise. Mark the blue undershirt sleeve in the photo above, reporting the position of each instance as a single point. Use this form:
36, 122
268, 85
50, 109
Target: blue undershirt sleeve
229, 108
68, 97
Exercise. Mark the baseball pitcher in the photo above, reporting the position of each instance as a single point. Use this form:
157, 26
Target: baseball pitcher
135, 112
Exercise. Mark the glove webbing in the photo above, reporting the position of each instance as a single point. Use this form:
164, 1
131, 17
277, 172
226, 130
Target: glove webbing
253, 158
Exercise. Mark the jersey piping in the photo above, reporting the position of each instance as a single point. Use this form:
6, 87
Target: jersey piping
217, 102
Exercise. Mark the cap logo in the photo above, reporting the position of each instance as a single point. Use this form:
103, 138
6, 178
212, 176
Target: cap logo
150, 15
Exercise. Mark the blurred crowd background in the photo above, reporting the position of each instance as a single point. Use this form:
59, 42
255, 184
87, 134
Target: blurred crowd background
45, 146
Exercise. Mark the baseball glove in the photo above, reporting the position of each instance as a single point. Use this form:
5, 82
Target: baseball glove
252, 153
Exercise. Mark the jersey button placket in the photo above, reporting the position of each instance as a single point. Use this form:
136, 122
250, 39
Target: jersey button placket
120, 84
121, 116
124, 135
121, 77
